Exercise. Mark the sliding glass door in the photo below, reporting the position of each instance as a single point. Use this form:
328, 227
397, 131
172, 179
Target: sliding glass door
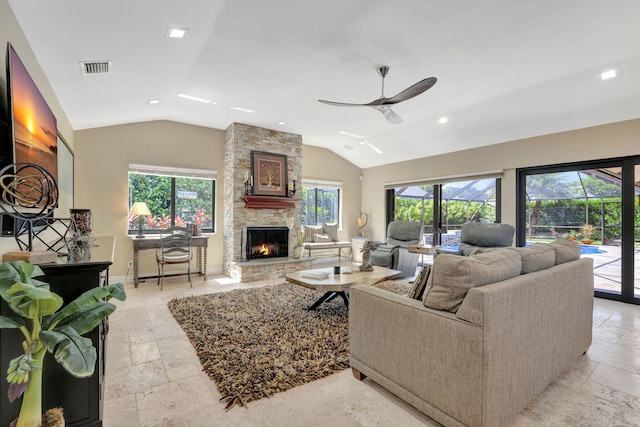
595, 203
443, 208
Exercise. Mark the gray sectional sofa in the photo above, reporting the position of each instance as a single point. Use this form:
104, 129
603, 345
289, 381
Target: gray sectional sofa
492, 331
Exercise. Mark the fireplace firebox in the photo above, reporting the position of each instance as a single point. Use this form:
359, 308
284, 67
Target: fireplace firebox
267, 242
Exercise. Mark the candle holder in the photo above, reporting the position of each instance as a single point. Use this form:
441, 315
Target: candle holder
293, 191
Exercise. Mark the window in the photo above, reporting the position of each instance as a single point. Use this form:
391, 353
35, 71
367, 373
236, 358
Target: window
174, 197
320, 202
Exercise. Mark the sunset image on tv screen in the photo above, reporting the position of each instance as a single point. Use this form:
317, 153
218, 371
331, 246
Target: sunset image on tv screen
34, 125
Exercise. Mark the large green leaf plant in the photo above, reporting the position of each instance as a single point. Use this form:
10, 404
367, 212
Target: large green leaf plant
48, 327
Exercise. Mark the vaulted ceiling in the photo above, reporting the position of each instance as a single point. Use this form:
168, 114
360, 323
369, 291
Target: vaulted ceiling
506, 69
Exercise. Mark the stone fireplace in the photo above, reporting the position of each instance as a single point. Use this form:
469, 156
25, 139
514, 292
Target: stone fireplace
240, 141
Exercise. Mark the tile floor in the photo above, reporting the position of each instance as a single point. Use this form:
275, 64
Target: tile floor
153, 377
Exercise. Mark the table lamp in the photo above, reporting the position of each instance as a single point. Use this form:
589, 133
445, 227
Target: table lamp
140, 209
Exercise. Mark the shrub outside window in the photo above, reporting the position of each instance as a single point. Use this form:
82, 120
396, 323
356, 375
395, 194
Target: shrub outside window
320, 203
172, 200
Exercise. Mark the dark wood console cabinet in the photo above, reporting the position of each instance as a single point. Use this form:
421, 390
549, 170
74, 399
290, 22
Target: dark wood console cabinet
80, 398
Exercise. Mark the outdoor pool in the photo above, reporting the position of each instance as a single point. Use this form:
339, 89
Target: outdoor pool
584, 249
588, 249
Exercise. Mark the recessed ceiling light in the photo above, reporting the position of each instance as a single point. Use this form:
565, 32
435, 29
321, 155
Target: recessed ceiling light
194, 98
348, 147
153, 101
350, 134
363, 143
281, 123
443, 120
176, 33
609, 74
245, 110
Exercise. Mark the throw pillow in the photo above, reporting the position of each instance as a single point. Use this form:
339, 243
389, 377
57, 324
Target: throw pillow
321, 238
452, 276
310, 230
331, 230
420, 283
566, 250
536, 257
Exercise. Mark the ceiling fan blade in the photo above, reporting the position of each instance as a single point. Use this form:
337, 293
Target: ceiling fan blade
390, 115
412, 91
341, 104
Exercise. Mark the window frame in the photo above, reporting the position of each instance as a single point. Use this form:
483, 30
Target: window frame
173, 174
316, 184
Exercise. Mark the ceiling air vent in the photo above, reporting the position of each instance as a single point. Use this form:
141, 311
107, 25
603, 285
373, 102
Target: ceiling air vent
95, 67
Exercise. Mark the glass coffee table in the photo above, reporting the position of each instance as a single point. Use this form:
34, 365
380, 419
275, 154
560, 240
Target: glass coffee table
334, 285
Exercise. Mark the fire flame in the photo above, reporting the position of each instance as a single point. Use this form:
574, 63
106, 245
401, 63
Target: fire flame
264, 250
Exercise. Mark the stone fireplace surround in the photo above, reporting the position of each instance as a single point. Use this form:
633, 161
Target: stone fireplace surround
239, 140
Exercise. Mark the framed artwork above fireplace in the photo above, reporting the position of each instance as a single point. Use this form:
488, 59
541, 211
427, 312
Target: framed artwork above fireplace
270, 174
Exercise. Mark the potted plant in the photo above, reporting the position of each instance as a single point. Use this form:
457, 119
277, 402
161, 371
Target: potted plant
587, 232
299, 246
570, 235
48, 327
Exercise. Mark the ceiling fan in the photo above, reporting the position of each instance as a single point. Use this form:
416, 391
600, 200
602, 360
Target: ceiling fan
383, 104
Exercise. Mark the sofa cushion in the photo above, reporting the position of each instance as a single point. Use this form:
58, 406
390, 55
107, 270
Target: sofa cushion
310, 230
321, 238
452, 276
331, 230
566, 250
536, 257
420, 283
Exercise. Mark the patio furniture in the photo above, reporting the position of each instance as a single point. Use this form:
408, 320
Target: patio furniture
475, 235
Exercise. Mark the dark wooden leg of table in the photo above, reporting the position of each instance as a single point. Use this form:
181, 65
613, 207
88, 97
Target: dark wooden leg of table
328, 297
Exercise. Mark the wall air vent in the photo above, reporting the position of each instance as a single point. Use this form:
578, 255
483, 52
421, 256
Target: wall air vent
95, 67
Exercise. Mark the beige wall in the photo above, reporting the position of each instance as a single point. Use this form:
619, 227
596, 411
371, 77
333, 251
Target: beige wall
322, 164
600, 142
102, 160
10, 31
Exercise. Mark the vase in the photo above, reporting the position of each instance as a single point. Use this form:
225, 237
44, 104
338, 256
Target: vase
297, 251
81, 221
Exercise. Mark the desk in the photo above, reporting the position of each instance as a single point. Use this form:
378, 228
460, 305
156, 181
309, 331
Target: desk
153, 242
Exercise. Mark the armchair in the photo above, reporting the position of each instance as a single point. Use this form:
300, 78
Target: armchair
394, 252
476, 235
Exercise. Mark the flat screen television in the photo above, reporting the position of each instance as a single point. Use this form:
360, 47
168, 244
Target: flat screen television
32, 135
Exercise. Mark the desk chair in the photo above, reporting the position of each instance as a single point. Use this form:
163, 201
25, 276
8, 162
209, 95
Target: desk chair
175, 248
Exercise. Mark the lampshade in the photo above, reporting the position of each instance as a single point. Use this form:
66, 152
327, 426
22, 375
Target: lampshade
140, 208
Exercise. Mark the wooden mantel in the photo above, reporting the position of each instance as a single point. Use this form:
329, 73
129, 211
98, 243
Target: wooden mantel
269, 202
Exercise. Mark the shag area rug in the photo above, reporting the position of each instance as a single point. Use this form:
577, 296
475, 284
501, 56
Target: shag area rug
257, 342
